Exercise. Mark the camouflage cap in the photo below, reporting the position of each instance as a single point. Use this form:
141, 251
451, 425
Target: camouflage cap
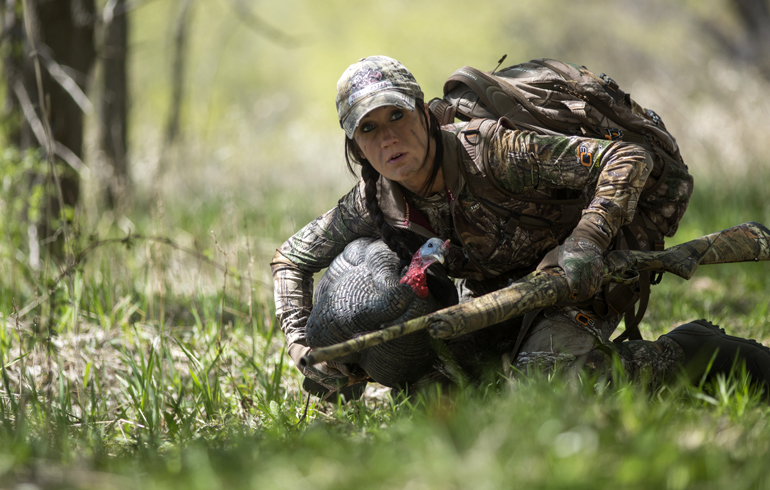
370, 83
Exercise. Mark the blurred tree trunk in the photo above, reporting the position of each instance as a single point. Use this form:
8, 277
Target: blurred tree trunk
113, 113
753, 45
177, 72
63, 31
755, 48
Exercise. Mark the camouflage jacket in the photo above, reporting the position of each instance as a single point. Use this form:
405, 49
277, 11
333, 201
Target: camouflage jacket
506, 208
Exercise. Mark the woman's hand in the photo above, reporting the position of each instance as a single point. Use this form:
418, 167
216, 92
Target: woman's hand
581, 259
298, 351
333, 374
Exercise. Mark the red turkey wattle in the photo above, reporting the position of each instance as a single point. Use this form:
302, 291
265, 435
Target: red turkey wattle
415, 276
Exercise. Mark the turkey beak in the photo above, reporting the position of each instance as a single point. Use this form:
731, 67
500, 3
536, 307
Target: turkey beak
440, 253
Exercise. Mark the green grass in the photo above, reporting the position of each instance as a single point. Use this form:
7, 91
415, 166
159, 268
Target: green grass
148, 367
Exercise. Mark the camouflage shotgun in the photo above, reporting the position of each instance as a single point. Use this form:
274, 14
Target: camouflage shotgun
743, 243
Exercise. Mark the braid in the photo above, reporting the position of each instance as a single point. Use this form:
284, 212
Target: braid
389, 235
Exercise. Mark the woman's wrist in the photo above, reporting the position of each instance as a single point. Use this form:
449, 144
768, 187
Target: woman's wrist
593, 227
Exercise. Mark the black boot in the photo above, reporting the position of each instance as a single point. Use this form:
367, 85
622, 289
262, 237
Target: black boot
701, 339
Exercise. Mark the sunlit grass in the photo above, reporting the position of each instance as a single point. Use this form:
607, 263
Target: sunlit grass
164, 372
150, 367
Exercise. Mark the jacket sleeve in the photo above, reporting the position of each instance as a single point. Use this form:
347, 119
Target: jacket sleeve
311, 249
610, 174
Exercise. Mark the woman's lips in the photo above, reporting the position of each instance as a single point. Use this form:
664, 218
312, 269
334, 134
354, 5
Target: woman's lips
397, 158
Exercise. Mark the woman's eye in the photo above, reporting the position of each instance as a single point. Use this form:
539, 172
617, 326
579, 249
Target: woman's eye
396, 115
366, 127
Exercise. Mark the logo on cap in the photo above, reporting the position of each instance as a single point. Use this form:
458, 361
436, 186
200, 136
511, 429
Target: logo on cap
365, 82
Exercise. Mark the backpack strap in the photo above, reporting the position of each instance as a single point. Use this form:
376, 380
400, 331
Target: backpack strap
662, 159
621, 298
625, 292
443, 110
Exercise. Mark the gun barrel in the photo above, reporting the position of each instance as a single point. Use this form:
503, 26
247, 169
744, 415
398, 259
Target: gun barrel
747, 242
359, 343
743, 243
537, 290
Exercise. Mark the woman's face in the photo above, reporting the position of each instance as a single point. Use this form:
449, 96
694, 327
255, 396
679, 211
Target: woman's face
395, 142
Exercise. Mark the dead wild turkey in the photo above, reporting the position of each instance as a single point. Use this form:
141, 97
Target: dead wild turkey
365, 289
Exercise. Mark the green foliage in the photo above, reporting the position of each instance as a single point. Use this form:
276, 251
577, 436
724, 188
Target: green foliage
25, 205
23, 178
155, 380
168, 372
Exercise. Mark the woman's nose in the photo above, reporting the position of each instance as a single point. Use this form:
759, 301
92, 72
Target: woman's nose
387, 136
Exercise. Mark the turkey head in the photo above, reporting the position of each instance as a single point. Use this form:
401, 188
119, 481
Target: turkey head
365, 289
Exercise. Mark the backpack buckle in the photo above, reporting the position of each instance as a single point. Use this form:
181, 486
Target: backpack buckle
613, 134
653, 116
472, 136
611, 84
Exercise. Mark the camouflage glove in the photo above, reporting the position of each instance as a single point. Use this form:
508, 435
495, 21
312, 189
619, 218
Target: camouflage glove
581, 258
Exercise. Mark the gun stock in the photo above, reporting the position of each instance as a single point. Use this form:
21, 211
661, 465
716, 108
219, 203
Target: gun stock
743, 243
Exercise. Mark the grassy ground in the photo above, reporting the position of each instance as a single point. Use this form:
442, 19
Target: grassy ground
151, 367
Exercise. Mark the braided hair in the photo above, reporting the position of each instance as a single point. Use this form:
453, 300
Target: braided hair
395, 240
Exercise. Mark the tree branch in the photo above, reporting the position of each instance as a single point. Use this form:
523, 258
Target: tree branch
68, 83
39, 131
111, 10
177, 72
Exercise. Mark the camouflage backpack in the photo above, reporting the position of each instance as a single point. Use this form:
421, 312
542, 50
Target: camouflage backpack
552, 97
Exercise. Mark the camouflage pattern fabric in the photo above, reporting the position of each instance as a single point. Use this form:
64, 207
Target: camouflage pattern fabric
570, 99
653, 363
307, 252
311, 249
606, 176
506, 215
435, 209
575, 338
